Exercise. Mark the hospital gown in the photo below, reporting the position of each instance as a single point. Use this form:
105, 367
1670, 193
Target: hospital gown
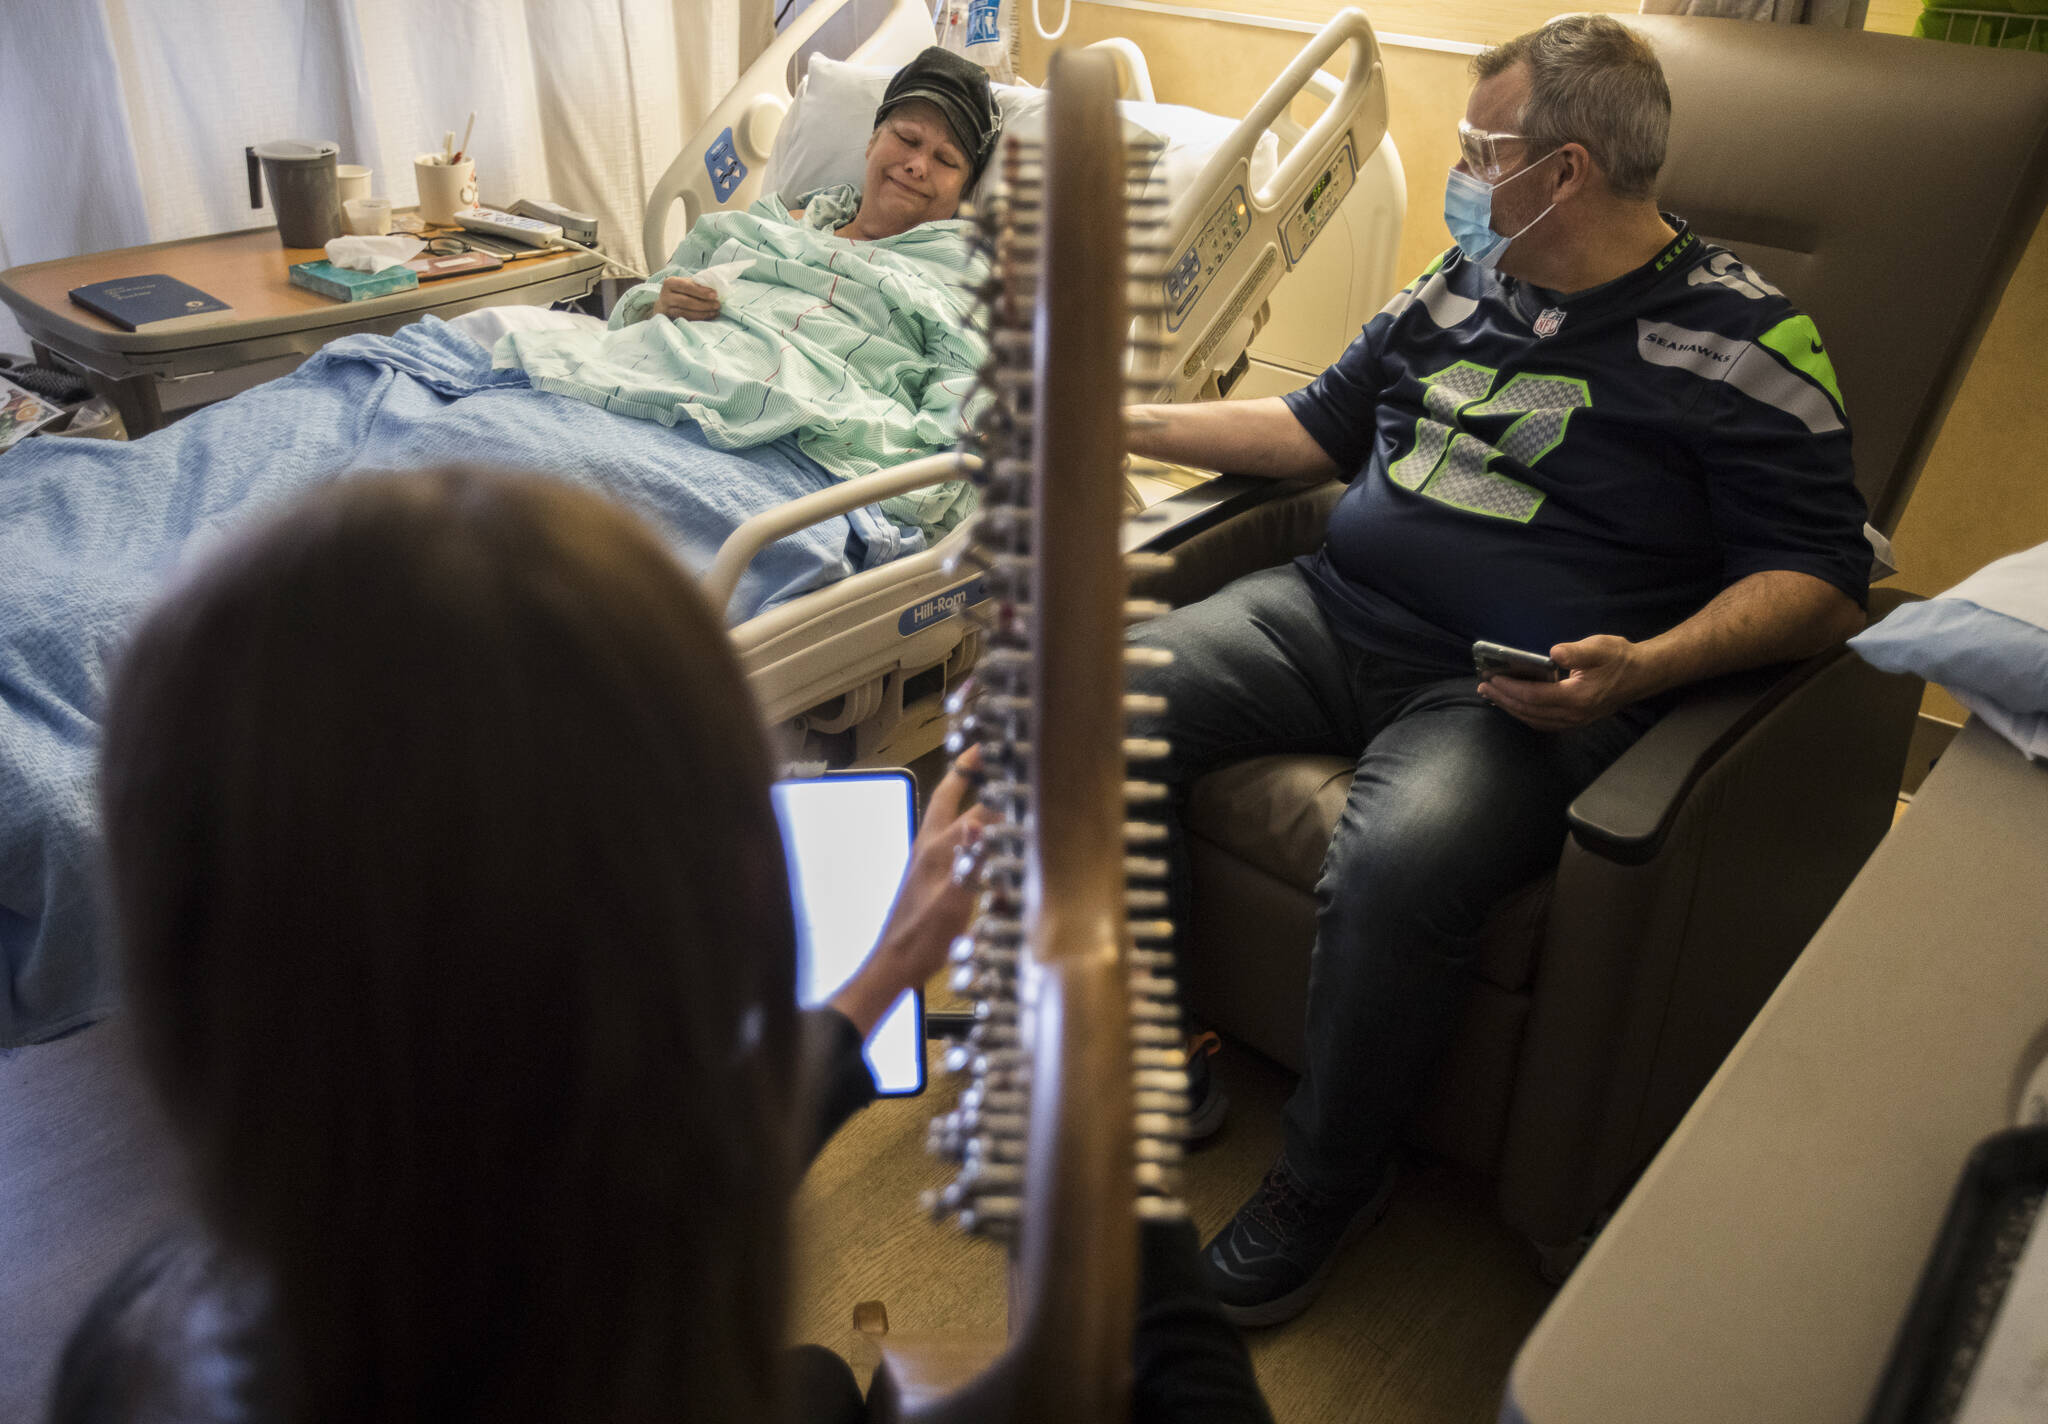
865, 351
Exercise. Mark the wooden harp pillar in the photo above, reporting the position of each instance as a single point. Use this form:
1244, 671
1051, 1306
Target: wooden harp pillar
1070, 1130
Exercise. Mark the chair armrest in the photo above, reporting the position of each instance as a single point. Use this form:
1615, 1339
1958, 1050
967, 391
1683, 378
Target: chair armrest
1267, 524
1627, 812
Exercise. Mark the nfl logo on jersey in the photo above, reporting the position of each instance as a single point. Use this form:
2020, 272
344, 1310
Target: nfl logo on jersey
1549, 320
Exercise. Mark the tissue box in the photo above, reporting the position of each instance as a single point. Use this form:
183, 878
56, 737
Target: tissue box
345, 284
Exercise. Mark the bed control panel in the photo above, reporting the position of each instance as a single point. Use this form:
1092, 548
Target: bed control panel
722, 162
1197, 267
1300, 224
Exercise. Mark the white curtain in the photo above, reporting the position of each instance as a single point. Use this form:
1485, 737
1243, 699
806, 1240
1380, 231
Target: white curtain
127, 118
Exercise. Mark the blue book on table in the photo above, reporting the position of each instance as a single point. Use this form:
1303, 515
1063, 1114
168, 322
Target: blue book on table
135, 303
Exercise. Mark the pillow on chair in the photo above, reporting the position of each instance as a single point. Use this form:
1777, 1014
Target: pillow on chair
1985, 640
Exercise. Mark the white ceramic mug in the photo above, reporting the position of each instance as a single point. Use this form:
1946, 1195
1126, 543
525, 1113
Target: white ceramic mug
368, 217
445, 188
352, 180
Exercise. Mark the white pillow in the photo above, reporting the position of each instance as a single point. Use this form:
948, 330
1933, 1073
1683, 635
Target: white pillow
1191, 137
823, 138
1985, 640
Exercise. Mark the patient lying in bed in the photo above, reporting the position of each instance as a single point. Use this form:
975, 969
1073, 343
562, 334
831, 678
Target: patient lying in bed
845, 323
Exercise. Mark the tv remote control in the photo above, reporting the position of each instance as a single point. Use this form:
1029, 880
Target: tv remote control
526, 230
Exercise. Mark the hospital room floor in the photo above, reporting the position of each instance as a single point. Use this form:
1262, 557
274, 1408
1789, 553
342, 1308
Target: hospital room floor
1420, 1321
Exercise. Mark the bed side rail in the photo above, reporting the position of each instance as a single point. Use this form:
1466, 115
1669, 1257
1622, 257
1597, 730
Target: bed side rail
1229, 245
720, 166
1382, 214
757, 533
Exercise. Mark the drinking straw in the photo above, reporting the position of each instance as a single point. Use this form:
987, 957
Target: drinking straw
465, 138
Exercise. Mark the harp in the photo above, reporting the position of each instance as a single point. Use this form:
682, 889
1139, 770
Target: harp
1069, 1130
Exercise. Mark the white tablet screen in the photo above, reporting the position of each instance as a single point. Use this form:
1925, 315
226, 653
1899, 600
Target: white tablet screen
847, 840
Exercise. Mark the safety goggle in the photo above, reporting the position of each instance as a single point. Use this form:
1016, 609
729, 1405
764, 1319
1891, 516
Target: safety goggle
1482, 150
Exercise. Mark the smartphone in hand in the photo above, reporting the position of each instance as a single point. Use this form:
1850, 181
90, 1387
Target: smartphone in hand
1497, 660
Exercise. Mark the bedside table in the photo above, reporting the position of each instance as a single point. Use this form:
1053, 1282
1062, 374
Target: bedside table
273, 325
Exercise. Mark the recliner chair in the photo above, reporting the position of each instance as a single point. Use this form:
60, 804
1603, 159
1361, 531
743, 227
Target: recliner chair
1888, 186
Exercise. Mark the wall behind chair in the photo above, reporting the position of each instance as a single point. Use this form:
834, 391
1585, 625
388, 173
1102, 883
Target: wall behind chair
1984, 491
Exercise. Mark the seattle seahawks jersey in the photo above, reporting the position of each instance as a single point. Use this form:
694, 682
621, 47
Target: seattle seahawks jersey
1535, 468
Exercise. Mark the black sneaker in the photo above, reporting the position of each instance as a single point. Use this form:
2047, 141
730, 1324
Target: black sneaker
1268, 1264
1207, 1102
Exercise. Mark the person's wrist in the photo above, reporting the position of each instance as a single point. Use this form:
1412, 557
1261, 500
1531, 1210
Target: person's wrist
1144, 430
892, 969
1646, 671
903, 958
862, 1003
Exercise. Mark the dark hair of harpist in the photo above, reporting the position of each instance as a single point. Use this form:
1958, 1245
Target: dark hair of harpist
458, 942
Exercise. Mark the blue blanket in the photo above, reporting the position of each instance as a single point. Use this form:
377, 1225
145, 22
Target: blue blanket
90, 530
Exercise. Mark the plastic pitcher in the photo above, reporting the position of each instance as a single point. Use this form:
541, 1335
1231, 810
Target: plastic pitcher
303, 191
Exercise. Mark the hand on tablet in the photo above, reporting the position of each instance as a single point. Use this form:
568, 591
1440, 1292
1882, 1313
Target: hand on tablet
930, 910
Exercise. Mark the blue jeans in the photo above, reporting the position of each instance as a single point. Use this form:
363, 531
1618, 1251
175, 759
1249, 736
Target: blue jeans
1454, 806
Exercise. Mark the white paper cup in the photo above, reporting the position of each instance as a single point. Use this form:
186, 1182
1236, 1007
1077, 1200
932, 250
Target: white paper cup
368, 217
445, 188
352, 180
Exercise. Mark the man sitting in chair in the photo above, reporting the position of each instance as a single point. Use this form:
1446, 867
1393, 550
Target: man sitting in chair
1583, 432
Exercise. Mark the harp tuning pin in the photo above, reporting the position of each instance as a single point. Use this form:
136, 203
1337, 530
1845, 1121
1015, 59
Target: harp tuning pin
966, 864
1153, 1101
1162, 1209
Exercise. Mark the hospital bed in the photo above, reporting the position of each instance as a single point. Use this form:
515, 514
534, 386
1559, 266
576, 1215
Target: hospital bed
859, 671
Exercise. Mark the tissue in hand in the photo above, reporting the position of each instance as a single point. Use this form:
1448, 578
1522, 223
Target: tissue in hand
721, 278
373, 254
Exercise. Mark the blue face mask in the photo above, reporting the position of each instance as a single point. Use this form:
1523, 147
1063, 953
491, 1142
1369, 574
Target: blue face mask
1468, 213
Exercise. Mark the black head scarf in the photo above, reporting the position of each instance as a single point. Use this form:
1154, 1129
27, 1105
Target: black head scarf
959, 89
